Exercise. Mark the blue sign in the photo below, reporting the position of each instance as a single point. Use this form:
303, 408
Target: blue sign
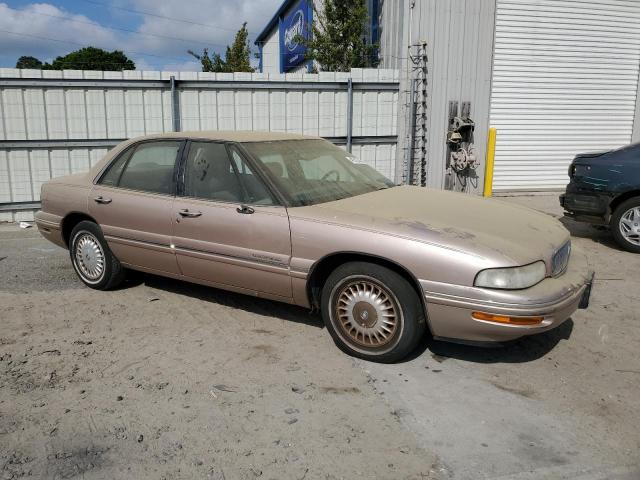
295, 24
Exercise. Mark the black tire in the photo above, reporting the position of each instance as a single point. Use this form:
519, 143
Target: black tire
351, 318
87, 242
617, 227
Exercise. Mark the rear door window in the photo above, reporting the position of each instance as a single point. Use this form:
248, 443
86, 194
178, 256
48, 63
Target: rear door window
149, 169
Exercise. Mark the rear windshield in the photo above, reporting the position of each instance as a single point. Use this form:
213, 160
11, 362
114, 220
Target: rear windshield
315, 171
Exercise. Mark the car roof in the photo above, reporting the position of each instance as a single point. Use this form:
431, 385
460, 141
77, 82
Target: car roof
228, 136
220, 135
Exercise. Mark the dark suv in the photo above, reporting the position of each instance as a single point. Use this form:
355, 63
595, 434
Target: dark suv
605, 189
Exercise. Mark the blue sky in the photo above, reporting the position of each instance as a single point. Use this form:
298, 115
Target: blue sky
156, 34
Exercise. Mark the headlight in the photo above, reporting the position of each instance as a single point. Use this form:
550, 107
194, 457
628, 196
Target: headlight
512, 278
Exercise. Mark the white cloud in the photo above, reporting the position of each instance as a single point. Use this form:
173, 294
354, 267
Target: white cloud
32, 31
187, 66
36, 26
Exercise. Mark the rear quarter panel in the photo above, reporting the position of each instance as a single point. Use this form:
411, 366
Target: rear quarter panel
59, 198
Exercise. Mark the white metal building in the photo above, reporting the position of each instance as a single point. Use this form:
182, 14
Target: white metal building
555, 77
565, 80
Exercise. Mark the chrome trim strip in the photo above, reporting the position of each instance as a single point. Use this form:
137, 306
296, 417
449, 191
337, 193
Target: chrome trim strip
299, 274
242, 261
506, 308
47, 223
223, 286
138, 243
275, 267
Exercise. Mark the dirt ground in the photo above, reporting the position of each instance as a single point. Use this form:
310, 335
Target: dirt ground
163, 379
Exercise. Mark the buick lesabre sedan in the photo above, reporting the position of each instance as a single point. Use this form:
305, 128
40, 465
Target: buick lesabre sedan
292, 218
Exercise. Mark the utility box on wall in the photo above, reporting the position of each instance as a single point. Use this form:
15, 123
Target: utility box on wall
462, 160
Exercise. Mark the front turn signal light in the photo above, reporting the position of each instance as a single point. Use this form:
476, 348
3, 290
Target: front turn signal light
504, 319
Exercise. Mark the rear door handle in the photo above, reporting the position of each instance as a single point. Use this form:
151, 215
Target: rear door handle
245, 209
101, 199
188, 214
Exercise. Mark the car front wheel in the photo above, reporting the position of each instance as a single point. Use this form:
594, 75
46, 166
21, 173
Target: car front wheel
372, 312
92, 260
625, 225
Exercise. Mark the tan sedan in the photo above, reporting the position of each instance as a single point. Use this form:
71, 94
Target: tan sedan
294, 219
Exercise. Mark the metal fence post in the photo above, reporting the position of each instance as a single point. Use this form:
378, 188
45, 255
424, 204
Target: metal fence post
349, 114
175, 105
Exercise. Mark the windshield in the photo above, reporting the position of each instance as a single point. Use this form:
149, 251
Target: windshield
315, 171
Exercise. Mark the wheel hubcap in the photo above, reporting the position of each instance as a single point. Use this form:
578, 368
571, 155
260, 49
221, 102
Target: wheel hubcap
630, 225
367, 313
89, 257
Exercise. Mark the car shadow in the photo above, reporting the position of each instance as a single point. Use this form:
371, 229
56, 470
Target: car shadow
598, 233
522, 350
247, 303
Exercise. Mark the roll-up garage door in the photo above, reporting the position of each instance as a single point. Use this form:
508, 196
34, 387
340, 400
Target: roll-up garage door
565, 77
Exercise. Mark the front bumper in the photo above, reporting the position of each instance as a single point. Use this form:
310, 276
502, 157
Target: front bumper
449, 307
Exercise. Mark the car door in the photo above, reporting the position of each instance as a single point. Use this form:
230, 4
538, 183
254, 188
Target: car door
228, 228
132, 203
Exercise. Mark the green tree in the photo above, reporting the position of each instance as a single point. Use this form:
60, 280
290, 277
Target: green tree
236, 58
91, 58
28, 62
337, 41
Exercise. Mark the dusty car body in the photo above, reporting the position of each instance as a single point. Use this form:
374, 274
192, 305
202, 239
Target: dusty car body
382, 266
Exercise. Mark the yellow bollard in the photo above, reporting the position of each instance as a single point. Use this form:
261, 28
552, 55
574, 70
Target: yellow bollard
488, 171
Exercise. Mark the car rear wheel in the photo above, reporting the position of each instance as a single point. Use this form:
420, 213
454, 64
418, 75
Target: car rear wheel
625, 225
372, 312
92, 260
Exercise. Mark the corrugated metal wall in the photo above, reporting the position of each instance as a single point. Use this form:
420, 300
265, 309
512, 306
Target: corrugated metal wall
459, 36
393, 32
69, 113
271, 53
565, 81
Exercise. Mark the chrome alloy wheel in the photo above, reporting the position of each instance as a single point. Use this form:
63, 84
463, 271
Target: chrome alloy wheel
366, 312
89, 257
629, 225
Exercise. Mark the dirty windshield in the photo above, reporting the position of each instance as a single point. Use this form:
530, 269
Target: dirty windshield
315, 171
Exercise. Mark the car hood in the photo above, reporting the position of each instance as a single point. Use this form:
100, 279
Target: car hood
496, 230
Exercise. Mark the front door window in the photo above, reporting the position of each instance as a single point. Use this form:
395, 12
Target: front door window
211, 175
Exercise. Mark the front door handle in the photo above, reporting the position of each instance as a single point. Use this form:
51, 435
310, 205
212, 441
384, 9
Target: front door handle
101, 199
188, 214
245, 209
